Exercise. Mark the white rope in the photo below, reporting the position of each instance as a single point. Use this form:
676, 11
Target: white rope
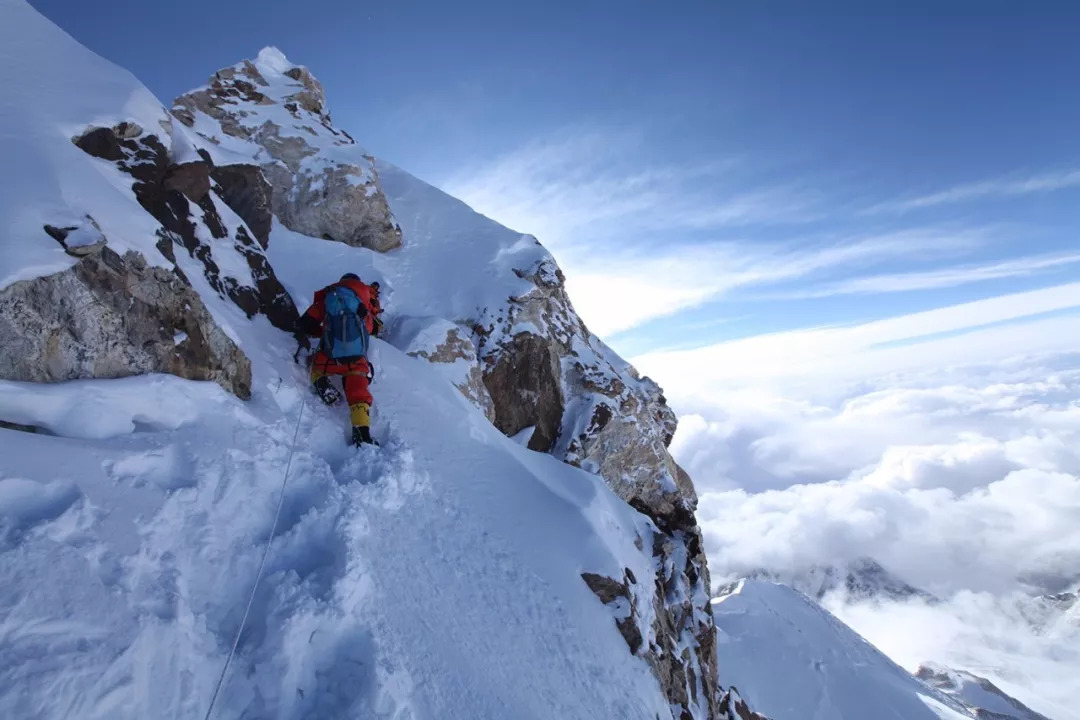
262, 564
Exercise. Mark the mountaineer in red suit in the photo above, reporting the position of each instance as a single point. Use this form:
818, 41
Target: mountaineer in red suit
344, 316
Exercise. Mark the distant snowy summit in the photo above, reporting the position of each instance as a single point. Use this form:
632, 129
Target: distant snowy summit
858, 580
983, 699
768, 631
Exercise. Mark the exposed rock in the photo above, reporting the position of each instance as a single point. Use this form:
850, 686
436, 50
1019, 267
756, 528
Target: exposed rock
525, 385
79, 240
245, 189
612, 592
110, 317
332, 203
334, 199
312, 98
733, 707
446, 346
192, 179
157, 186
543, 367
102, 143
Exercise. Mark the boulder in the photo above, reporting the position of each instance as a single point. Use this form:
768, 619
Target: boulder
111, 316
80, 239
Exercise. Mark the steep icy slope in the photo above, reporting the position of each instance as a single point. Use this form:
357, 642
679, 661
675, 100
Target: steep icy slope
452, 574
486, 304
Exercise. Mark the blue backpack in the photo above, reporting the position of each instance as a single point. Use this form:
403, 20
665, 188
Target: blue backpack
345, 335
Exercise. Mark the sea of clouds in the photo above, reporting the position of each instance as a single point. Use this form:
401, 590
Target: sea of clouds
952, 461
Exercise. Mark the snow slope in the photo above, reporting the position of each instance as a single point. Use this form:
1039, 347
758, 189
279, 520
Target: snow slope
987, 700
436, 577
53, 90
792, 660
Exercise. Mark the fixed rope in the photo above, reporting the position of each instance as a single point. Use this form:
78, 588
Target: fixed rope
262, 564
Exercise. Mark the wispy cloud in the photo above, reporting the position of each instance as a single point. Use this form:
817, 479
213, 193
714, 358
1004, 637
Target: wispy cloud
932, 279
618, 290
1000, 187
585, 183
881, 346
620, 224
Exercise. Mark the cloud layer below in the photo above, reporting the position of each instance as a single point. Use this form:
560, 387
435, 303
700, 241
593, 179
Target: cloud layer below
945, 445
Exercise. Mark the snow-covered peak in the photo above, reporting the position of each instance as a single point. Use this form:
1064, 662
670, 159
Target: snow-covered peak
859, 579
984, 699
791, 659
270, 60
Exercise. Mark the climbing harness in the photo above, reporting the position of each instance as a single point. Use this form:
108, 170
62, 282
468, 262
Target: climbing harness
262, 564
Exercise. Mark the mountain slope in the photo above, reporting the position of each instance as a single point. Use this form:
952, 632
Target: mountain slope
984, 699
769, 631
452, 573
438, 577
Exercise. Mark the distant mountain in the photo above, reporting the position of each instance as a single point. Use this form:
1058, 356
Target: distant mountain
860, 579
985, 700
792, 660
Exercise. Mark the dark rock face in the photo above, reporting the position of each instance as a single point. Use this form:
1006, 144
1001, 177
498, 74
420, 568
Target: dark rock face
168, 192
733, 707
613, 592
111, 316
192, 179
524, 383
244, 189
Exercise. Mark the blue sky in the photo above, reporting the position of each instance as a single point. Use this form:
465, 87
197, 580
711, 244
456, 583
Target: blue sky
704, 171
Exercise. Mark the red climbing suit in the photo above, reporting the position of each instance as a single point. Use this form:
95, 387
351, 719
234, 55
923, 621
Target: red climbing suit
355, 375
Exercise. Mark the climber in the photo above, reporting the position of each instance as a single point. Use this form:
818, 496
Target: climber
343, 316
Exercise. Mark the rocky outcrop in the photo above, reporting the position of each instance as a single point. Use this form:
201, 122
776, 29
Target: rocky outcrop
525, 385
246, 191
179, 197
449, 349
111, 316
337, 199
544, 369
733, 707
618, 594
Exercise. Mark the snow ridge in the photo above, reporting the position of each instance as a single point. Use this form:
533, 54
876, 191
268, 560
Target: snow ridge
440, 576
